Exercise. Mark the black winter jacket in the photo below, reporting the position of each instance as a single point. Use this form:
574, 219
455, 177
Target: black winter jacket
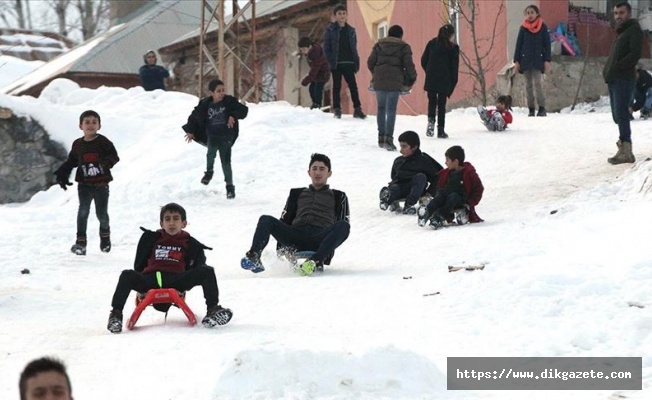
197, 120
625, 53
391, 65
194, 255
441, 64
405, 168
331, 44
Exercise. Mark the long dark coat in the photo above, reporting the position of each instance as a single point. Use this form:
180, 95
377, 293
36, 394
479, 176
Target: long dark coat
441, 64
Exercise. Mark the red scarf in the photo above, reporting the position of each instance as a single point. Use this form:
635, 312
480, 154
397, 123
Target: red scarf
534, 26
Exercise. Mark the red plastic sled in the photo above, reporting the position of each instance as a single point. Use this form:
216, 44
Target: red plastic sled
156, 296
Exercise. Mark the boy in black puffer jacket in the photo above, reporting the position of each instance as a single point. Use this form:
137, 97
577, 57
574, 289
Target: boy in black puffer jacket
412, 173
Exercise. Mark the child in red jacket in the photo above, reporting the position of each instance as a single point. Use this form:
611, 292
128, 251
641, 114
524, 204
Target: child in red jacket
497, 120
459, 186
319, 71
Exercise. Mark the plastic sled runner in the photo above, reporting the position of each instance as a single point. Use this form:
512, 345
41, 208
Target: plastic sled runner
161, 296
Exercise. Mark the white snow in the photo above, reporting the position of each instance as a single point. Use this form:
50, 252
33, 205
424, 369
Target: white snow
556, 284
12, 68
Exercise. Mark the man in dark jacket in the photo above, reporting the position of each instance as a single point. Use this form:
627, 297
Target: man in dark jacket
319, 72
214, 124
620, 75
315, 218
341, 48
412, 173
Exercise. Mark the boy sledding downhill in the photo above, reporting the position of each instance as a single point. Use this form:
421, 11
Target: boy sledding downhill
459, 186
93, 155
214, 124
412, 173
181, 262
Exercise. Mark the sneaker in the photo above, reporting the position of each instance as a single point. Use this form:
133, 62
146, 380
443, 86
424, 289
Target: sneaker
105, 244
208, 175
308, 267
79, 247
430, 130
251, 262
395, 206
314, 105
217, 315
531, 112
115, 321
337, 113
384, 198
423, 215
484, 116
409, 210
462, 215
230, 192
357, 113
436, 221
542, 112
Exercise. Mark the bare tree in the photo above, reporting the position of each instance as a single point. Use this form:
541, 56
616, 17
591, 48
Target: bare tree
92, 13
60, 8
13, 13
481, 57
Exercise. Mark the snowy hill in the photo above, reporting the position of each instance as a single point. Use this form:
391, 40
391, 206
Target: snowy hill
565, 238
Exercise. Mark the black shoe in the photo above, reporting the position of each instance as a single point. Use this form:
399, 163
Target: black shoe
105, 244
409, 209
208, 175
531, 113
384, 198
389, 143
441, 134
436, 221
115, 321
230, 192
357, 113
337, 113
542, 112
314, 105
79, 247
217, 315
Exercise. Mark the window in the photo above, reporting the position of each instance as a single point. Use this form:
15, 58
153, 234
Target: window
381, 29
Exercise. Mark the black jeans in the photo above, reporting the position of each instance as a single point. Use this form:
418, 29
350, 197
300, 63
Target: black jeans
134, 280
323, 241
444, 204
411, 190
316, 90
87, 194
348, 72
437, 106
224, 146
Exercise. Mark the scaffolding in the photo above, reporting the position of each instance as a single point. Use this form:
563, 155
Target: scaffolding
237, 26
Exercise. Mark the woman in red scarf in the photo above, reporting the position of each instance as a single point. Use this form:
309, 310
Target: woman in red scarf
532, 57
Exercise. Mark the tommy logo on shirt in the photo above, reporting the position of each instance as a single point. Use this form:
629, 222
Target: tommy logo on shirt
168, 253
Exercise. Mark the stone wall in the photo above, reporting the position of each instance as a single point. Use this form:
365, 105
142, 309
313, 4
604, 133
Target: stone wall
28, 158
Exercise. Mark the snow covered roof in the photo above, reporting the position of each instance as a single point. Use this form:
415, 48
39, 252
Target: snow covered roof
120, 49
32, 45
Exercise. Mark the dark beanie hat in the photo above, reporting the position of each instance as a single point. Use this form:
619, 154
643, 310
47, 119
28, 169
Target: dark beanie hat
411, 138
395, 31
305, 42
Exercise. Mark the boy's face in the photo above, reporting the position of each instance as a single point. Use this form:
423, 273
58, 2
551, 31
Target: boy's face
340, 17
406, 150
304, 50
172, 223
452, 164
219, 93
48, 385
90, 126
319, 174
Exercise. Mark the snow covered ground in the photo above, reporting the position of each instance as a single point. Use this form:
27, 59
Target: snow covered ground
556, 284
12, 68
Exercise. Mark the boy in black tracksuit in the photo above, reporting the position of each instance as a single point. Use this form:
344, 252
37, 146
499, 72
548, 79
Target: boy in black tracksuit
93, 155
178, 259
214, 124
412, 172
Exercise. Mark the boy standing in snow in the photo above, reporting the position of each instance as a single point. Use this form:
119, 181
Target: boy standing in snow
319, 73
214, 124
315, 218
177, 259
411, 173
459, 185
93, 155
497, 120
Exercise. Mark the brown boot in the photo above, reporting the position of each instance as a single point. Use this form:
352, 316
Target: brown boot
624, 154
618, 153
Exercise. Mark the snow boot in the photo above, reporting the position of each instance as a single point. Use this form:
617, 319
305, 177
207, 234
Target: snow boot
115, 321
423, 215
409, 209
384, 198
531, 113
430, 130
381, 141
389, 143
542, 112
357, 113
230, 192
337, 113
217, 315
484, 116
79, 247
251, 261
208, 175
624, 154
436, 221
440, 133
105, 242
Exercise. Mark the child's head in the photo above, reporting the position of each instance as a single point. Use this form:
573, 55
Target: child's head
504, 102
304, 45
395, 31
454, 157
150, 57
319, 170
409, 143
217, 90
90, 122
340, 14
446, 33
316, 157
531, 12
45, 377
173, 218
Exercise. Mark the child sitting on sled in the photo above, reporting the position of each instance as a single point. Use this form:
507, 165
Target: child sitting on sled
496, 120
180, 260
